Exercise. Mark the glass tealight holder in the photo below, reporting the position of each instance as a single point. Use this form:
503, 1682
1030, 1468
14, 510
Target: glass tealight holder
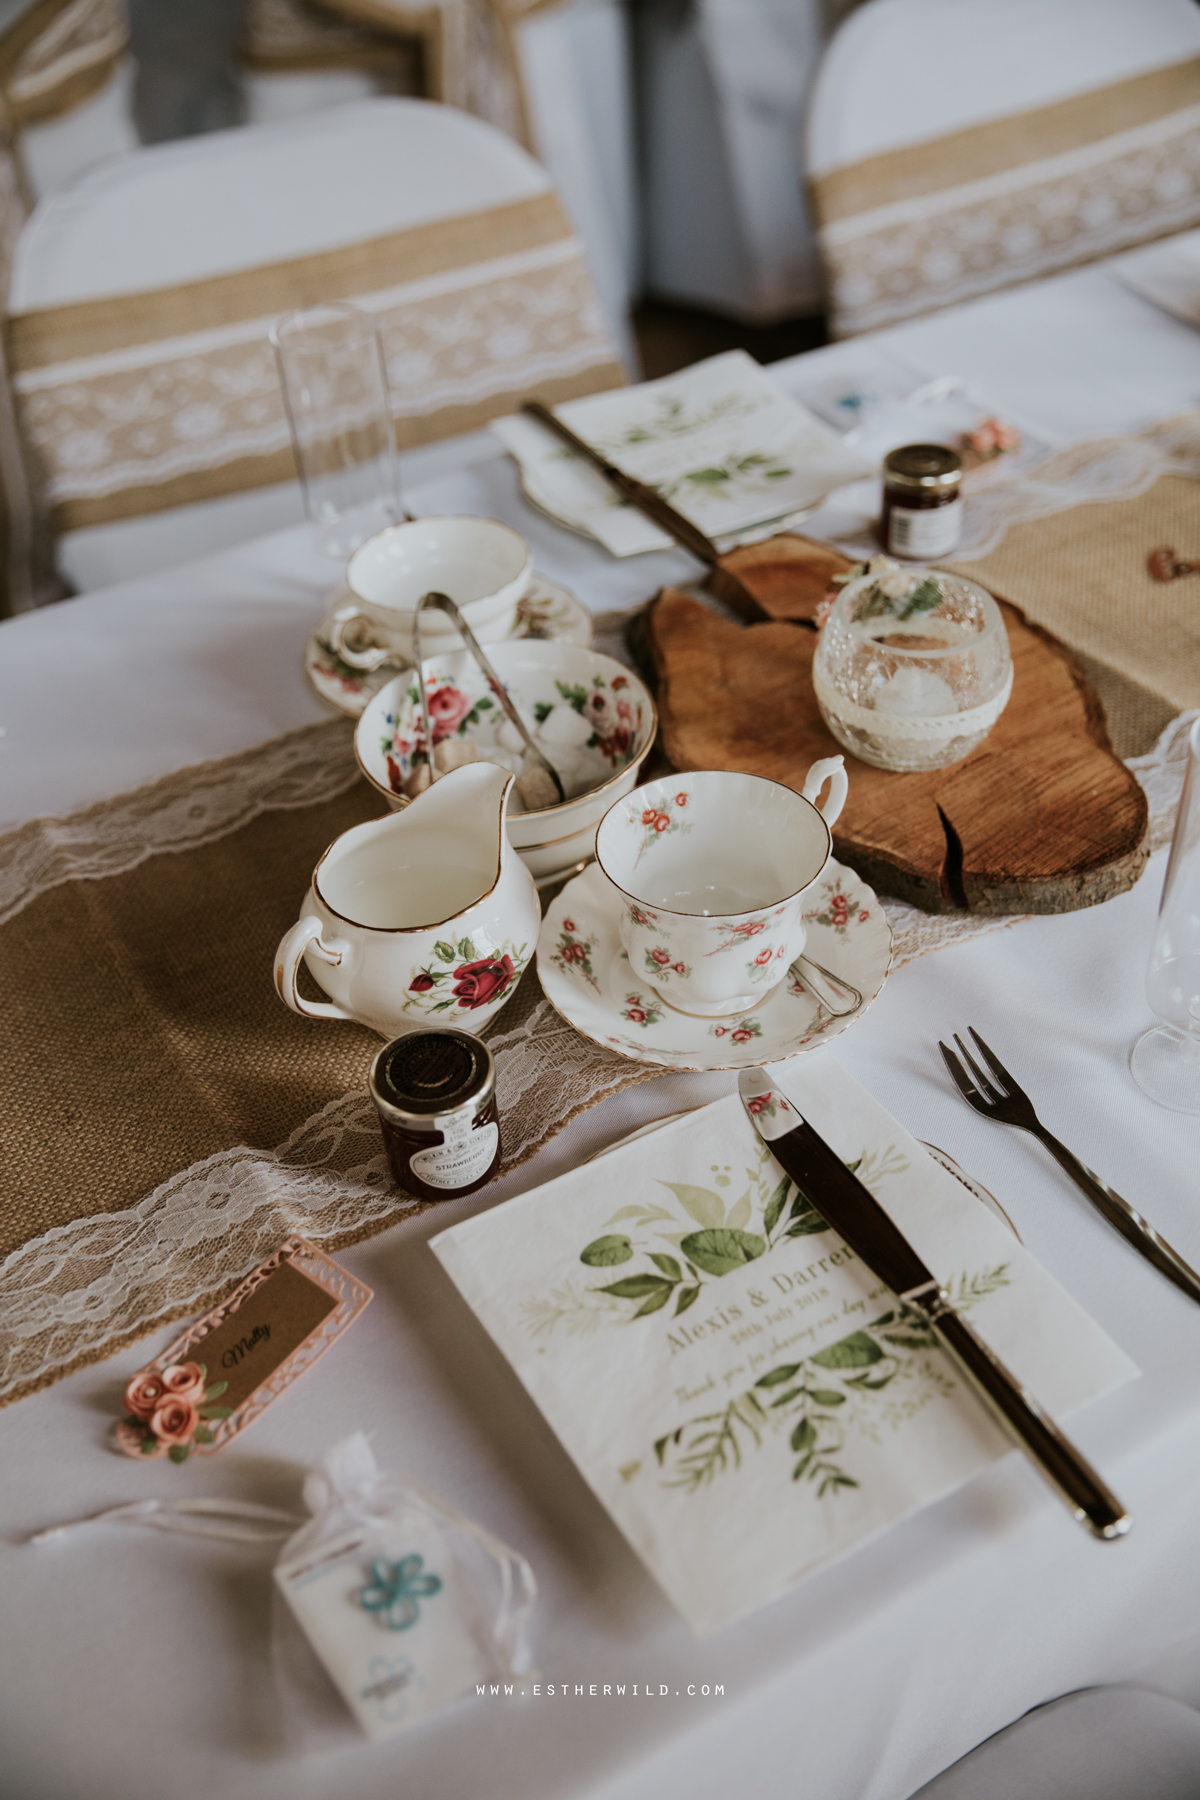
913, 667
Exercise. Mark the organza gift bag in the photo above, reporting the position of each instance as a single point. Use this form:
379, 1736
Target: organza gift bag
388, 1606
389, 1603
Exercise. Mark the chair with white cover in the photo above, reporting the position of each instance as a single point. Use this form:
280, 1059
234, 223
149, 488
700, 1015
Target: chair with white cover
66, 81
1109, 1743
66, 104
555, 75
142, 297
960, 146
298, 56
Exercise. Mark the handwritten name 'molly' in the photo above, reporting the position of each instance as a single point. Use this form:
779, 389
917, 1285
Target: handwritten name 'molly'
244, 1346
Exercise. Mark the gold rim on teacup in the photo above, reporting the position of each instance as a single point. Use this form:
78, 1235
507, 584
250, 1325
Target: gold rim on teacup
490, 613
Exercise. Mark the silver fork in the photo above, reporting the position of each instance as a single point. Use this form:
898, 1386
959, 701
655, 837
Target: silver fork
1000, 1098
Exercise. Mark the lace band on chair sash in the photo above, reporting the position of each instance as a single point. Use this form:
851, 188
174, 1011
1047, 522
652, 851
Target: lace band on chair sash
1027, 196
142, 401
54, 58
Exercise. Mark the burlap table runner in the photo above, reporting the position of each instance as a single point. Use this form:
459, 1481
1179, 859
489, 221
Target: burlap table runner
1083, 574
165, 1121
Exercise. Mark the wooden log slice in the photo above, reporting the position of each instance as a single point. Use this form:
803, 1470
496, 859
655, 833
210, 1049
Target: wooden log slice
784, 577
1042, 817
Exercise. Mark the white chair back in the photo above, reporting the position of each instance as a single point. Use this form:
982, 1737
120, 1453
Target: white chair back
66, 82
142, 298
556, 75
959, 146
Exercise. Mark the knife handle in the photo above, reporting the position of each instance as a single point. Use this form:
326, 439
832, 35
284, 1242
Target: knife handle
1066, 1470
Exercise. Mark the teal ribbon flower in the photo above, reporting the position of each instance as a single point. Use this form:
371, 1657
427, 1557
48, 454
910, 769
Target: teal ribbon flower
395, 1591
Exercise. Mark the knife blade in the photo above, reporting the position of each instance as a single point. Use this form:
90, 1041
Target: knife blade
855, 1214
647, 501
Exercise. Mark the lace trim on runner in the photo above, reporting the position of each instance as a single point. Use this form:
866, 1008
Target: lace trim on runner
81, 1291
193, 806
1107, 469
1104, 469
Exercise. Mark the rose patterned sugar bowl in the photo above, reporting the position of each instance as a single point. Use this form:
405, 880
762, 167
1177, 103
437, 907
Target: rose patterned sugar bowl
711, 870
913, 668
589, 715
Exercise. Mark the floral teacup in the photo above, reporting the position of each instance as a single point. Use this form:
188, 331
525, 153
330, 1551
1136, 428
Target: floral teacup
483, 565
713, 869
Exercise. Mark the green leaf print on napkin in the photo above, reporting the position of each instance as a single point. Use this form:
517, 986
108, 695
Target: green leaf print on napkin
721, 1251
603, 1252
799, 1398
723, 1243
853, 1352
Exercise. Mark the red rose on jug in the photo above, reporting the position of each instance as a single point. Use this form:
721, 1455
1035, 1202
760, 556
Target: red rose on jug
475, 983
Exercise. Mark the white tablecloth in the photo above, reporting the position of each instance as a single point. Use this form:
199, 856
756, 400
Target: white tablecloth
134, 1664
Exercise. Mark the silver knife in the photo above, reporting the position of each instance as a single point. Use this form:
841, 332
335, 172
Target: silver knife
853, 1211
648, 500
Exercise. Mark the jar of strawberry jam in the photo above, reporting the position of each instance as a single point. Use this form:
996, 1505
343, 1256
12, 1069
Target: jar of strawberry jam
435, 1093
922, 504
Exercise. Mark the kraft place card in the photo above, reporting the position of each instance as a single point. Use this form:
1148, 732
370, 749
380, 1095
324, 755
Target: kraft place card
226, 1368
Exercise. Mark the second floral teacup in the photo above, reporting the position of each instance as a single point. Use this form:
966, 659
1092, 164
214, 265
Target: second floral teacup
712, 869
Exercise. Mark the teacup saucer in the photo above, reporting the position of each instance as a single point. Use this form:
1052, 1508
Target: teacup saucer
586, 976
548, 610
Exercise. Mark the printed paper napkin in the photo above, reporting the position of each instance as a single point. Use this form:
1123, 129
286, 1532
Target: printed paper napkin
747, 1401
720, 441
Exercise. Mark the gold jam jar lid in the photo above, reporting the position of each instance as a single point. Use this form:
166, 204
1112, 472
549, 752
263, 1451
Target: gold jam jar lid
923, 466
426, 1076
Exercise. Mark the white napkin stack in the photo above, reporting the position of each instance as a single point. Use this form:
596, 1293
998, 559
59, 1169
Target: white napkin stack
720, 441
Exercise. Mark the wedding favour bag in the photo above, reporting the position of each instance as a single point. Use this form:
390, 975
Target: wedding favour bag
405, 1604
745, 1398
388, 1602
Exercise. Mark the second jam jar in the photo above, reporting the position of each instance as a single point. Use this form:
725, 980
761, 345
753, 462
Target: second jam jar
435, 1093
922, 505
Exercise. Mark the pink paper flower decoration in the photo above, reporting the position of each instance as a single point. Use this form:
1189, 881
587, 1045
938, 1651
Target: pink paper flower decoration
145, 1393
175, 1422
184, 1381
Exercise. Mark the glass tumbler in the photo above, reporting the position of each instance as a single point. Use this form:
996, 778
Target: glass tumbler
1165, 1061
912, 668
335, 392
